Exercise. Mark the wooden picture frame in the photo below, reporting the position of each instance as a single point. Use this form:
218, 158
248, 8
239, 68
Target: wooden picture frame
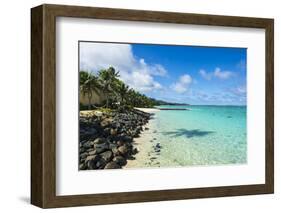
43, 105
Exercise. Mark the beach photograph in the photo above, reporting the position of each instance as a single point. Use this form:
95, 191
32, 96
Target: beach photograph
147, 106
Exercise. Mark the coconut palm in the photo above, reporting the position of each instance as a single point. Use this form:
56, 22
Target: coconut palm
113, 89
89, 84
83, 76
108, 78
123, 92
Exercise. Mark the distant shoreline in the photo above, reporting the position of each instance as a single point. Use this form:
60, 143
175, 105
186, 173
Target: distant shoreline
204, 105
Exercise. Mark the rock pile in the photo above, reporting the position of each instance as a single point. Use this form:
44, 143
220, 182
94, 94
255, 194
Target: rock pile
106, 138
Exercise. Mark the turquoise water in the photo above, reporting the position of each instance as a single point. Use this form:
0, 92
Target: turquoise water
203, 135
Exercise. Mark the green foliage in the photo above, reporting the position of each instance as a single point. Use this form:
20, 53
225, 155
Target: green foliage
108, 78
83, 76
88, 84
122, 90
116, 91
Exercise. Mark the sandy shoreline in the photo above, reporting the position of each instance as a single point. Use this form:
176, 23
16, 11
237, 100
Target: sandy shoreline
97, 111
148, 110
146, 156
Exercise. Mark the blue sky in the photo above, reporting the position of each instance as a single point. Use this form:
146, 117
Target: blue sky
184, 74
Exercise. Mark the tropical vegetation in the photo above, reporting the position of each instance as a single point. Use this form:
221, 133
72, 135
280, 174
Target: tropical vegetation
117, 93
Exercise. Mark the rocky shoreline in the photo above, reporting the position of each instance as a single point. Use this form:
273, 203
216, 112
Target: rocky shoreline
106, 138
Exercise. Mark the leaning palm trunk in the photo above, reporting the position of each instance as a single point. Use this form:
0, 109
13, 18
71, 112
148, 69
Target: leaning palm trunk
90, 102
107, 94
107, 100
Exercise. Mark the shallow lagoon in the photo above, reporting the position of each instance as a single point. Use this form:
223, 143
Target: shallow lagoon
203, 135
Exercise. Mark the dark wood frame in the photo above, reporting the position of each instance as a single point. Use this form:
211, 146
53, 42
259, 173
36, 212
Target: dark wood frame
43, 105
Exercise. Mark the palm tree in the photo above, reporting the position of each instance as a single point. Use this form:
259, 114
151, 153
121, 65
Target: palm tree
83, 76
123, 92
108, 77
89, 84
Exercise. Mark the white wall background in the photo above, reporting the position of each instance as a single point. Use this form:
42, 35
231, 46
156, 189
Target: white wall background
15, 104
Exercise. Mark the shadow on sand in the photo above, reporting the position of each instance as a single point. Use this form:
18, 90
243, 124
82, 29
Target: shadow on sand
188, 133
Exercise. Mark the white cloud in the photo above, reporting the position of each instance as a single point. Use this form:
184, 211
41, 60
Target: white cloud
96, 56
182, 84
142, 81
185, 79
155, 69
240, 90
179, 88
217, 73
222, 97
205, 75
222, 74
135, 72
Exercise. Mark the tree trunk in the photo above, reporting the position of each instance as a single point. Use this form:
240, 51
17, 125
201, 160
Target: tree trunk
90, 101
89, 104
106, 101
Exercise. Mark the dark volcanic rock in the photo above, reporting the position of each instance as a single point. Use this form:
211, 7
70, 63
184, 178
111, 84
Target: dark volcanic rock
112, 145
120, 160
135, 151
92, 131
105, 122
83, 155
123, 150
127, 139
101, 147
87, 145
82, 166
115, 151
113, 131
106, 141
120, 143
106, 131
100, 164
99, 141
90, 149
112, 165
91, 157
158, 145
91, 161
131, 157
107, 156
93, 152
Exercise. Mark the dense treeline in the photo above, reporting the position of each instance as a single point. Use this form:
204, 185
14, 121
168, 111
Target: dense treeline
116, 92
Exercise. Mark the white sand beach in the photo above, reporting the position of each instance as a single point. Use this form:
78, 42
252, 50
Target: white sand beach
145, 144
149, 110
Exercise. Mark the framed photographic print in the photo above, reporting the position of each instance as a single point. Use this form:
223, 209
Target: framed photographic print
136, 106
